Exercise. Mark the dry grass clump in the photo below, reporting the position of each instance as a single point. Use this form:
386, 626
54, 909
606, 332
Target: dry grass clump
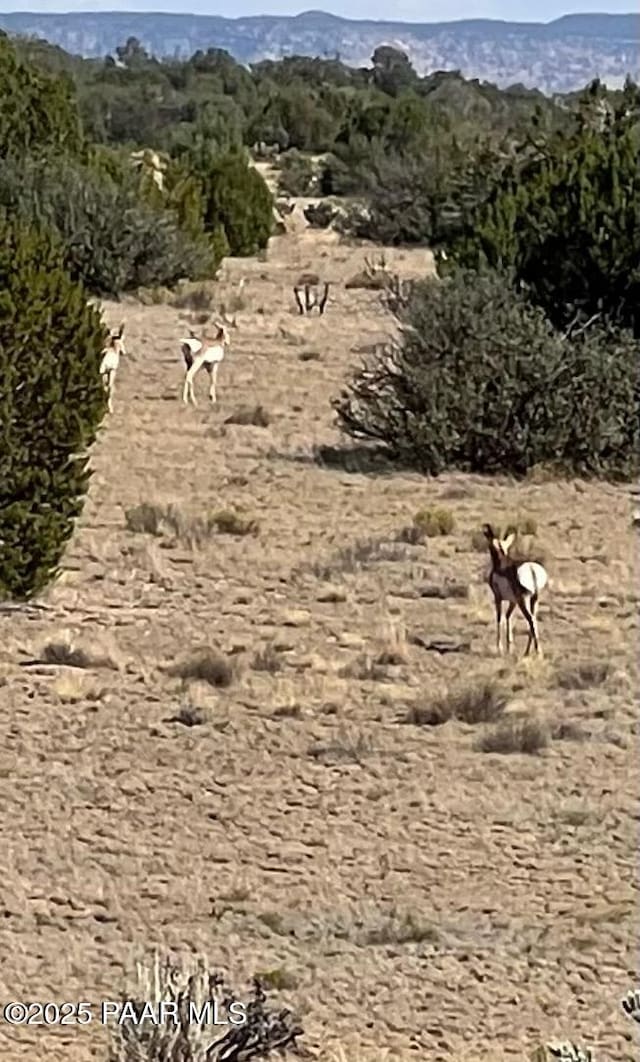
365, 668
229, 522
256, 416
584, 675
66, 652
483, 703
145, 519
515, 735
151, 518
195, 990
360, 554
394, 647
189, 715
75, 687
345, 747
429, 523
197, 299
207, 665
443, 591
267, 659
392, 651
278, 979
568, 731
401, 929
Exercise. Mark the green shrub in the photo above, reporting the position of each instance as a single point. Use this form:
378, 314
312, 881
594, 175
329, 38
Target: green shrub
51, 403
37, 111
297, 175
565, 213
480, 381
238, 200
113, 241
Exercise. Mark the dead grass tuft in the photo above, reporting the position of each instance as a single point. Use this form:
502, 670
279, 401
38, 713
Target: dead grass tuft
279, 979
568, 731
360, 554
145, 519
366, 668
434, 522
471, 704
394, 647
196, 299
256, 416
156, 519
584, 675
442, 591
267, 659
65, 652
189, 715
207, 665
345, 747
228, 522
402, 929
515, 735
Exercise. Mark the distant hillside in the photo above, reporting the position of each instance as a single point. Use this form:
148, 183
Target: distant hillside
558, 56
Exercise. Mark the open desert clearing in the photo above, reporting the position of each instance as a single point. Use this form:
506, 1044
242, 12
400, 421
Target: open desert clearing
413, 895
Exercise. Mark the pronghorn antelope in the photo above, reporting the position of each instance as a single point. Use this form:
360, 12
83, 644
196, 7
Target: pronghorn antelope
111, 352
517, 583
309, 285
205, 351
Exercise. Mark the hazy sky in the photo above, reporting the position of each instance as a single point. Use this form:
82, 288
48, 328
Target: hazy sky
411, 10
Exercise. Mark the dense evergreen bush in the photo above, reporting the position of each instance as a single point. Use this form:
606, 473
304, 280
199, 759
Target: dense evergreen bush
565, 213
51, 402
481, 381
37, 112
113, 238
237, 198
297, 174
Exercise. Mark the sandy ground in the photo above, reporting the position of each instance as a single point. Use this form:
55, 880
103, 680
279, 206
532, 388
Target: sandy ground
416, 896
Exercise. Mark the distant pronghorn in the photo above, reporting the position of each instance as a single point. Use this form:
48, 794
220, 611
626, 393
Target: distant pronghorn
204, 351
111, 352
310, 285
517, 583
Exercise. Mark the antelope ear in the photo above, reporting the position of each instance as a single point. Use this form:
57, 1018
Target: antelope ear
121, 331
508, 541
488, 532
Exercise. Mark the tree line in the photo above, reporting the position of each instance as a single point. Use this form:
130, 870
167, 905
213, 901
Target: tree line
133, 171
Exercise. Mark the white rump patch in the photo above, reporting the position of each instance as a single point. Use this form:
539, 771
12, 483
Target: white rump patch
109, 361
213, 354
194, 345
532, 577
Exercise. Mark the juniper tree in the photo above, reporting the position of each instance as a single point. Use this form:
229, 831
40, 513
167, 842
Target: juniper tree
480, 381
565, 214
51, 403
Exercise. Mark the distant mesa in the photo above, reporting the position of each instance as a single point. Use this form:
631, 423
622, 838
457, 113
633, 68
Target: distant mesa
559, 56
